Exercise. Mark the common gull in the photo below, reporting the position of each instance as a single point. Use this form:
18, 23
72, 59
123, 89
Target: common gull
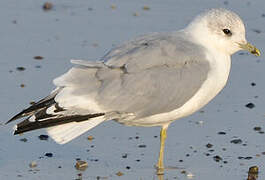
149, 81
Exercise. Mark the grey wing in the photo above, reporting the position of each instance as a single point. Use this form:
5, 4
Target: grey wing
151, 75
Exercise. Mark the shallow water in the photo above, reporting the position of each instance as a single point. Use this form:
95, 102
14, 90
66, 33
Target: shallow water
88, 29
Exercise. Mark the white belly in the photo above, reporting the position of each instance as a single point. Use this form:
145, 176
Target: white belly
215, 82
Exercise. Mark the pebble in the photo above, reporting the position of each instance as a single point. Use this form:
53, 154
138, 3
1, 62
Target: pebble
257, 128
124, 156
209, 145
43, 137
221, 133
142, 146
236, 141
23, 139
48, 154
250, 105
253, 84
47, 6
217, 158
33, 164
81, 165
90, 138
20, 68
119, 173
38, 57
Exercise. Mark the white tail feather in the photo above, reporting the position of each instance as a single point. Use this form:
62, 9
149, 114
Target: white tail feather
67, 132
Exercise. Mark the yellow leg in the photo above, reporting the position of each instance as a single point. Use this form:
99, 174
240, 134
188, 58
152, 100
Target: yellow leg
160, 164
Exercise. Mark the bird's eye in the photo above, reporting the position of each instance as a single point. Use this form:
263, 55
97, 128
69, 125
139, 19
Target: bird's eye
227, 32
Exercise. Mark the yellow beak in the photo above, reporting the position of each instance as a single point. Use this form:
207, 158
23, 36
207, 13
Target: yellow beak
249, 47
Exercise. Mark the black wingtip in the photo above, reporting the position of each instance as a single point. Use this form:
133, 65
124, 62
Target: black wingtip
27, 125
17, 116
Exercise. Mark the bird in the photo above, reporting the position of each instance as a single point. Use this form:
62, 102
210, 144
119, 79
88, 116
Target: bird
148, 81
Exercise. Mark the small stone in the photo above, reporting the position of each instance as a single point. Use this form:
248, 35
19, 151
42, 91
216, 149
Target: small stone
142, 146
183, 172
128, 167
146, 8
236, 141
253, 84
20, 68
124, 155
81, 165
23, 139
248, 158
119, 173
33, 164
47, 6
90, 138
250, 105
221, 133
217, 158
257, 128
38, 57
48, 154
43, 137
209, 145
22, 85
261, 132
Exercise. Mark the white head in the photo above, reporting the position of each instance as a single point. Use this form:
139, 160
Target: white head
221, 30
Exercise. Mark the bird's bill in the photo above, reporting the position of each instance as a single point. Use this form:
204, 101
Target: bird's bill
249, 47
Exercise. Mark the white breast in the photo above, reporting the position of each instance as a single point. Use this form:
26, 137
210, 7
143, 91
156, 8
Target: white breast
217, 77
